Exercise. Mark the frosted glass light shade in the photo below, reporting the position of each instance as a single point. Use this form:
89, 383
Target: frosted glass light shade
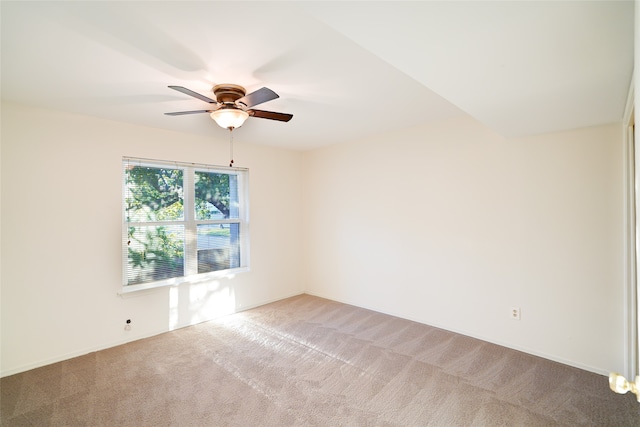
229, 117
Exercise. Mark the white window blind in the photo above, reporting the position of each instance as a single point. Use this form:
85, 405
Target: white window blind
182, 220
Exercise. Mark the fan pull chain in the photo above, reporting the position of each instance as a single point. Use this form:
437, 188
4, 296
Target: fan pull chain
231, 147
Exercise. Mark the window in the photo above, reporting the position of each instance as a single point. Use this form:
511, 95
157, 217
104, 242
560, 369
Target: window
182, 220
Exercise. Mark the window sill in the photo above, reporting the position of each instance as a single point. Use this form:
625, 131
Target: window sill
177, 281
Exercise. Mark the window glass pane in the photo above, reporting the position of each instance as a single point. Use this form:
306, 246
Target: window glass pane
181, 219
216, 195
155, 253
153, 194
218, 247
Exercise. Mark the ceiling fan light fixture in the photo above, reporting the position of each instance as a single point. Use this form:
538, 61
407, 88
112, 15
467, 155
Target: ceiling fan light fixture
229, 117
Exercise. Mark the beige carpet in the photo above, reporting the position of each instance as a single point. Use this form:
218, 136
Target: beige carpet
309, 361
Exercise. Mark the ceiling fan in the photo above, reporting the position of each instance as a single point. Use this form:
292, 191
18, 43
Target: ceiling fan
233, 106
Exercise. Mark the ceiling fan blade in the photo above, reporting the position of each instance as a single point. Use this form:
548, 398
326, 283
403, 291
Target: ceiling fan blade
180, 113
194, 94
258, 97
283, 117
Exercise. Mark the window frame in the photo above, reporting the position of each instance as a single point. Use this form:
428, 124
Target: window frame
189, 222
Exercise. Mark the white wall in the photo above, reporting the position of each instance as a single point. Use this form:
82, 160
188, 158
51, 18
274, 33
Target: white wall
61, 233
451, 225
447, 224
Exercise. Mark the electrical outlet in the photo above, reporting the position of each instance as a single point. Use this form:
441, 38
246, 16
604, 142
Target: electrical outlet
515, 313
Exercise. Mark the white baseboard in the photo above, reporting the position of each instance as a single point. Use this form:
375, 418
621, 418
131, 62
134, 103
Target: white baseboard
71, 355
480, 337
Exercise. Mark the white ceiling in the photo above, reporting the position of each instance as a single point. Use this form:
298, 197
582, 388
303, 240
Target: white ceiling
345, 70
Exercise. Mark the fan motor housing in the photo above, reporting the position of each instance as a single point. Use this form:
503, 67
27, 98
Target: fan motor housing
228, 93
